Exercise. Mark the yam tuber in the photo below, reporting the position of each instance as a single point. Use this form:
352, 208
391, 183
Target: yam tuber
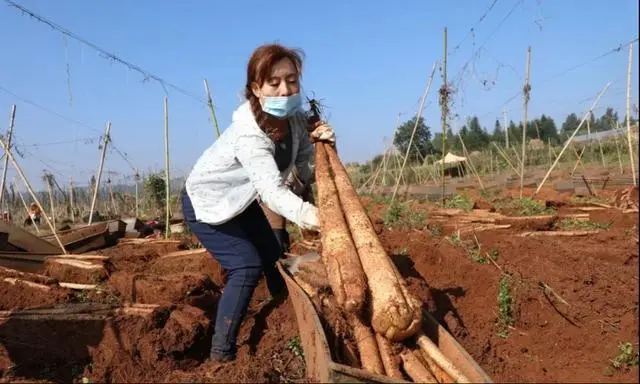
346, 277
431, 350
389, 360
367, 345
396, 313
415, 369
439, 373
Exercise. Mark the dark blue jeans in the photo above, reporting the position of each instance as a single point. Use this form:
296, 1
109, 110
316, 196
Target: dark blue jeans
246, 248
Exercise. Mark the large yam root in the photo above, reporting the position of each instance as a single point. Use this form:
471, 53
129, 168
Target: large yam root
346, 277
367, 345
430, 350
389, 360
415, 369
396, 313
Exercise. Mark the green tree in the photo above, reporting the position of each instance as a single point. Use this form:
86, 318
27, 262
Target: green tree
498, 133
478, 138
570, 124
421, 140
607, 121
154, 191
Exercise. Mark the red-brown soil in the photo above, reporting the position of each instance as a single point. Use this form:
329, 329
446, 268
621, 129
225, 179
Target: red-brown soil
549, 341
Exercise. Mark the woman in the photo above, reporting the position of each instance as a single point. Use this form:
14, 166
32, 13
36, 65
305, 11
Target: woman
267, 138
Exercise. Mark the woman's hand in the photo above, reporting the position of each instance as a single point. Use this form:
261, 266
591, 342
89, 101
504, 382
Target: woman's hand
323, 132
310, 220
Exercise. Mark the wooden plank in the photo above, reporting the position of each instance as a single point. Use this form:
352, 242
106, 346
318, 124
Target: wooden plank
27, 241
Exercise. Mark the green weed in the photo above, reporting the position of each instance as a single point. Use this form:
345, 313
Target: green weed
572, 223
505, 306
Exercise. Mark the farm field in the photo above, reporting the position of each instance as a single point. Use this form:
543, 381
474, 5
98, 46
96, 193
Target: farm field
526, 305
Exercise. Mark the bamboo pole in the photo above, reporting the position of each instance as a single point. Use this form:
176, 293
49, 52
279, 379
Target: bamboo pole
473, 168
51, 202
73, 213
166, 166
444, 95
506, 158
33, 195
12, 121
571, 138
214, 120
137, 180
415, 128
527, 89
628, 114
100, 167
615, 138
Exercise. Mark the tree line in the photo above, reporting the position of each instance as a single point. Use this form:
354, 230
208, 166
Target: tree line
477, 137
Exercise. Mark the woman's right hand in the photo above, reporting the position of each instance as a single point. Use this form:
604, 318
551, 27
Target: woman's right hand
310, 219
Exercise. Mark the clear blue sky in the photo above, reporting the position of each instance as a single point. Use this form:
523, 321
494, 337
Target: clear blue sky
367, 60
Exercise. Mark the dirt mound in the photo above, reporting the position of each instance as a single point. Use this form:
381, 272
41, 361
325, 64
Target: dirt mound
21, 295
146, 349
190, 261
174, 288
269, 349
135, 257
548, 340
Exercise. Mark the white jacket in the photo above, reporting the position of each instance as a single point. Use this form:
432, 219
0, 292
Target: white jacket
240, 166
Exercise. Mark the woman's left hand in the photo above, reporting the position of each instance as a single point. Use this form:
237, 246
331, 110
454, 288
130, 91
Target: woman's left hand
323, 132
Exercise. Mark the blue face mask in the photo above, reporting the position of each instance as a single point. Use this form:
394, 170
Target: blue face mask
282, 106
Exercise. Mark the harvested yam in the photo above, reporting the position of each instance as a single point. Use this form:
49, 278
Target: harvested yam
396, 313
346, 277
430, 350
34, 277
438, 372
415, 369
15, 281
367, 345
558, 233
389, 361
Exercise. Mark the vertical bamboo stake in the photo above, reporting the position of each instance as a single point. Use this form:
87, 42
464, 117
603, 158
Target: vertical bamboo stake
444, 99
526, 90
33, 195
615, 138
73, 213
571, 138
51, 202
166, 165
26, 208
473, 168
631, 157
137, 180
214, 120
113, 200
12, 121
415, 128
99, 176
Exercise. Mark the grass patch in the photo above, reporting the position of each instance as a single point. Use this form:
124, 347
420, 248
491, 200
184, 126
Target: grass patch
400, 215
525, 207
459, 202
505, 306
626, 359
586, 200
572, 223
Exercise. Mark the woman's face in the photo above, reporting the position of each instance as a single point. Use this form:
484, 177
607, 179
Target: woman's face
283, 80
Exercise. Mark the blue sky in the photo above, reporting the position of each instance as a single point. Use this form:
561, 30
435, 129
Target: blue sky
367, 61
